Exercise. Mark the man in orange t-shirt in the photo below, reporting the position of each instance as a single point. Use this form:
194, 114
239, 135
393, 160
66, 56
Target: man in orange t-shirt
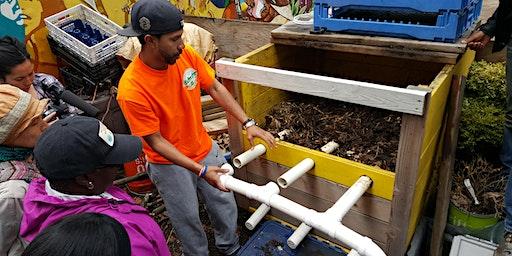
159, 94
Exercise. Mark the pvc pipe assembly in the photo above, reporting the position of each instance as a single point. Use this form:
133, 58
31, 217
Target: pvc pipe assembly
337, 211
325, 222
295, 172
249, 155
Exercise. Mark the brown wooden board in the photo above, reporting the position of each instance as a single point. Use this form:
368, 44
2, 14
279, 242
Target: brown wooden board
326, 190
409, 150
293, 34
235, 38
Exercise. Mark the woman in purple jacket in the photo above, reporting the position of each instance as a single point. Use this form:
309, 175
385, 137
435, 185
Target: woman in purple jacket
78, 156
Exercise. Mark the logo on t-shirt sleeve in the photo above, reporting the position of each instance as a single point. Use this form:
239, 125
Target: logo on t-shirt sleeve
190, 78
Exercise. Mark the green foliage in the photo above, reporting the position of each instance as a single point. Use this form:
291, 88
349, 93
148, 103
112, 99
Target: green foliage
481, 127
483, 117
487, 82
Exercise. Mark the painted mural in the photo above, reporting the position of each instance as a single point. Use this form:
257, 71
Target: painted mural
24, 19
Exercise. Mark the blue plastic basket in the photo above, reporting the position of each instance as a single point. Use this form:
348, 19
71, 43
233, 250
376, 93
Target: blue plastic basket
270, 239
442, 26
417, 5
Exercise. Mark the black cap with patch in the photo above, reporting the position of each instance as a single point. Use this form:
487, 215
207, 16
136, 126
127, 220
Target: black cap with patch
153, 17
78, 145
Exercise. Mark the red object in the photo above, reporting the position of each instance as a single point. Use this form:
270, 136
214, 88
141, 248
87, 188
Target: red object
134, 167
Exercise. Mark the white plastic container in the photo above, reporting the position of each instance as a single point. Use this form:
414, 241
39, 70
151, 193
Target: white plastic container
471, 246
96, 53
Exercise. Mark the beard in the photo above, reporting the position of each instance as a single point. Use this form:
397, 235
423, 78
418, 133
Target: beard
170, 59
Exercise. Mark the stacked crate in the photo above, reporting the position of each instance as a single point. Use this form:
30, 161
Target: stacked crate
87, 53
443, 21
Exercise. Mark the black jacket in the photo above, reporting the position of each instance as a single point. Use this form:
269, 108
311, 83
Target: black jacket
500, 25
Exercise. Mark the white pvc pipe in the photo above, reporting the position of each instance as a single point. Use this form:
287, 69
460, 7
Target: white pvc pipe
326, 223
329, 147
338, 210
283, 134
353, 253
249, 155
349, 198
257, 216
295, 172
298, 235
228, 167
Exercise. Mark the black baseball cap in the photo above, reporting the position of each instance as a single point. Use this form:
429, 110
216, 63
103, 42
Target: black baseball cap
153, 17
78, 145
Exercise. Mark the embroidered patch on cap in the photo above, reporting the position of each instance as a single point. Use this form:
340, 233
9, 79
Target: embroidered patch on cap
190, 78
144, 23
106, 135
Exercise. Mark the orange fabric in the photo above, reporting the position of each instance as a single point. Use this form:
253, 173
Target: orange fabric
168, 101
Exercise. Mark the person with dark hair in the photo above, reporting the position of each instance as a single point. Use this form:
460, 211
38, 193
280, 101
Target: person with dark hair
21, 125
159, 95
499, 26
17, 69
79, 158
82, 234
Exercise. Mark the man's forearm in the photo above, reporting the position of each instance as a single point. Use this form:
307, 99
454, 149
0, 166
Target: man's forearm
222, 97
171, 153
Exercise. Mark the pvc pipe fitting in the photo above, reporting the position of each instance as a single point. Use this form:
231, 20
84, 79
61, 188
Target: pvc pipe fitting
228, 167
294, 173
249, 155
329, 147
257, 216
298, 235
282, 134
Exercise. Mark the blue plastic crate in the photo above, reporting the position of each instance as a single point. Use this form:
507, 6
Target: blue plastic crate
270, 240
417, 5
442, 26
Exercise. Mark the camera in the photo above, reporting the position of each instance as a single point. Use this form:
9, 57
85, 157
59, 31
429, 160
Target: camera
64, 102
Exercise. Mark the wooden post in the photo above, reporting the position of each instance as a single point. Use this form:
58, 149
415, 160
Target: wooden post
407, 168
453, 109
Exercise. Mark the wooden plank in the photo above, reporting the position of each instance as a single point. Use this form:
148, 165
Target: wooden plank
361, 223
330, 167
369, 94
235, 38
413, 54
454, 110
216, 126
214, 110
301, 33
326, 190
409, 151
214, 116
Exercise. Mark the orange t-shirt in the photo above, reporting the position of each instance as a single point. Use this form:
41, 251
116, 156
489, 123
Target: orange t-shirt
168, 101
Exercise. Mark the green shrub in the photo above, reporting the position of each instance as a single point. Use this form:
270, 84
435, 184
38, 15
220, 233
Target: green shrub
481, 127
487, 82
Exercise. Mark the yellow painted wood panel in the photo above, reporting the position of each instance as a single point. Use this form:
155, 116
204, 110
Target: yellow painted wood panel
462, 66
257, 106
437, 103
333, 168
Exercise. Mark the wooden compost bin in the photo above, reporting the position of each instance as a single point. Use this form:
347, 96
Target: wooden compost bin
389, 212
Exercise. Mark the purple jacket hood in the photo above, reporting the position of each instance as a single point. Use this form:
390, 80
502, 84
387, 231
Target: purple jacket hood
42, 210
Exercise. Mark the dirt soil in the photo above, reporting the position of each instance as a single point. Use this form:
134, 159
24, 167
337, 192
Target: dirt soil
367, 135
488, 182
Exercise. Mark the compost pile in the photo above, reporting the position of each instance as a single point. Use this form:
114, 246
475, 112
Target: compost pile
365, 134
488, 182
